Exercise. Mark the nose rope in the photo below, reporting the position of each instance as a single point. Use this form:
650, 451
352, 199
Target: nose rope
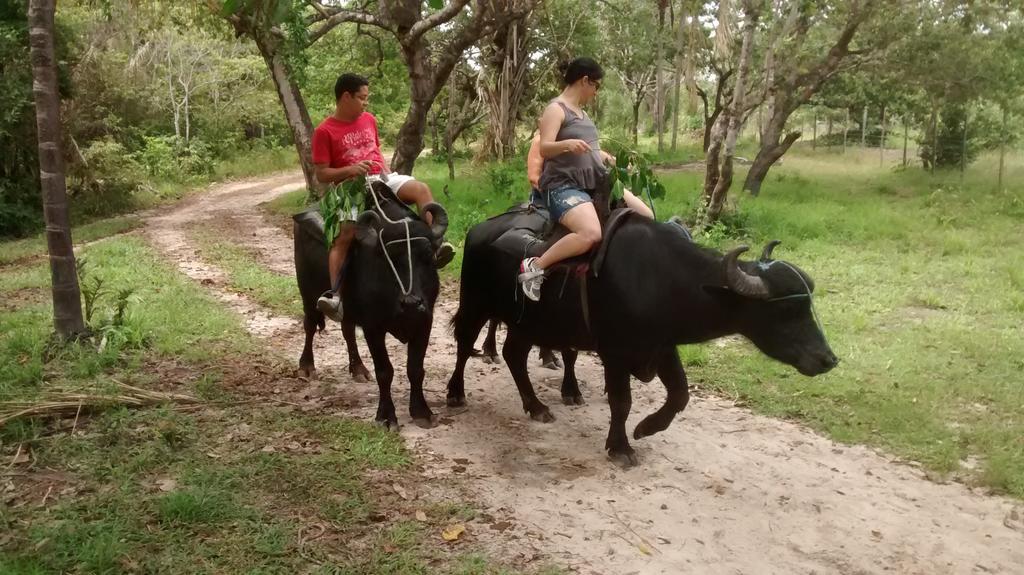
814, 311
380, 237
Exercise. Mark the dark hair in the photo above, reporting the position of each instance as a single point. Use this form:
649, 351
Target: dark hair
578, 68
349, 83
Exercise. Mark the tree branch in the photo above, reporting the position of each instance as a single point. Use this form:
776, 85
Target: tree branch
340, 16
436, 19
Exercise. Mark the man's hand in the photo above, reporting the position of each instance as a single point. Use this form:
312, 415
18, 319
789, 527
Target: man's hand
576, 146
360, 168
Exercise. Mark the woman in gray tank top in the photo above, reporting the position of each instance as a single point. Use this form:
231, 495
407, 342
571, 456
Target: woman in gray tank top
573, 163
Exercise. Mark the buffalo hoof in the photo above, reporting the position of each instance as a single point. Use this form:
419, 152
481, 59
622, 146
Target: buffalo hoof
359, 373
390, 424
624, 459
542, 415
425, 422
454, 401
649, 426
573, 399
306, 373
488, 358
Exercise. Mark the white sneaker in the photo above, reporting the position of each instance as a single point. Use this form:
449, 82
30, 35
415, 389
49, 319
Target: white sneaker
532, 278
329, 304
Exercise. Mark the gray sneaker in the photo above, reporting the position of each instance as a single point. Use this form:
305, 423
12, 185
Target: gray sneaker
532, 278
329, 304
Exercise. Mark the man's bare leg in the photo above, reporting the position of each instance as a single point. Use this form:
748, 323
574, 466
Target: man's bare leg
330, 303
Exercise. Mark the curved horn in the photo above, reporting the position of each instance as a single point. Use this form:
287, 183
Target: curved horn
740, 281
766, 255
440, 223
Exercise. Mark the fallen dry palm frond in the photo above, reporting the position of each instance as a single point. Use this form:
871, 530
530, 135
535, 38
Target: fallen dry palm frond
72, 403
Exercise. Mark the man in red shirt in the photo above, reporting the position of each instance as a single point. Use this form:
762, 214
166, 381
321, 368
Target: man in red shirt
347, 145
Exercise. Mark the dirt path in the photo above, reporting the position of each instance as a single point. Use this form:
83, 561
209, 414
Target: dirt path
722, 491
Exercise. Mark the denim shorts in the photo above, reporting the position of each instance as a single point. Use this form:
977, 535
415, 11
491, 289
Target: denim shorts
560, 200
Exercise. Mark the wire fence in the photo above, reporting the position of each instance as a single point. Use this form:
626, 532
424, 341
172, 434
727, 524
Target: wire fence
979, 151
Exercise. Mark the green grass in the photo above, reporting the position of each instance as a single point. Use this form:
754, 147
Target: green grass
242, 165
248, 276
920, 291
36, 246
168, 316
231, 487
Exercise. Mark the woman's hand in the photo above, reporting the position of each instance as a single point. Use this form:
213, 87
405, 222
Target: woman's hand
576, 146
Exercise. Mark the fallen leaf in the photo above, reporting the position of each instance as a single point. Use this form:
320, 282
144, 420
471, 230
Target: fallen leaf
400, 491
268, 449
166, 484
421, 516
1014, 520
22, 457
452, 532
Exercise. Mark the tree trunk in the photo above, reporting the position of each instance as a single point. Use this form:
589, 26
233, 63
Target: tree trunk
636, 118
734, 115
288, 94
508, 65
881, 143
814, 131
677, 74
846, 128
864, 128
1002, 148
772, 148
67, 299
659, 86
905, 140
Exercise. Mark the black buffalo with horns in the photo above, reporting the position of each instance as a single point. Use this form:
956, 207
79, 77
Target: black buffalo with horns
390, 286
655, 290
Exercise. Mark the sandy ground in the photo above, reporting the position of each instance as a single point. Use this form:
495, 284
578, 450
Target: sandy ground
721, 491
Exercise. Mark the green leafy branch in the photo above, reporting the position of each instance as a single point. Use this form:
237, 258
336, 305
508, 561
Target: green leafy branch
633, 170
337, 203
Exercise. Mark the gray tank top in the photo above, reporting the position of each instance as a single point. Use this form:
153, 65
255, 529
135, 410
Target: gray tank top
578, 170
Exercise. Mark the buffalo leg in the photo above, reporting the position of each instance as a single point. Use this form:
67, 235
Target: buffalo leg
516, 353
310, 322
672, 375
385, 373
571, 394
418, 408
467, 328
490, 349
356, 368
616, 384
548, 358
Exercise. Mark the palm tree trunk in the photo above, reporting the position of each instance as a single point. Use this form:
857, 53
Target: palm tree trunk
67, 300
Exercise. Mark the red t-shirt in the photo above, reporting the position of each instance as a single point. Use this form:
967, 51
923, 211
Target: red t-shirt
339, 144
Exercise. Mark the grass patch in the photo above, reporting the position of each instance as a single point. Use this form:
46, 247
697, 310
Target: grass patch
248, 276
240, 490
920, 285
30, 247
169, 316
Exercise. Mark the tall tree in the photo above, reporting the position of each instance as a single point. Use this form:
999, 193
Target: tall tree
796, 70
503, 84
67, 300
631, 51
719, 172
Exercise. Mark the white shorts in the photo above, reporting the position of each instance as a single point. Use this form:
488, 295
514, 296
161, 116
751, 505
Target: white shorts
394, 180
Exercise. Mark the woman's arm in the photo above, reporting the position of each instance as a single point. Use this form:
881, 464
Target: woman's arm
550, 122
